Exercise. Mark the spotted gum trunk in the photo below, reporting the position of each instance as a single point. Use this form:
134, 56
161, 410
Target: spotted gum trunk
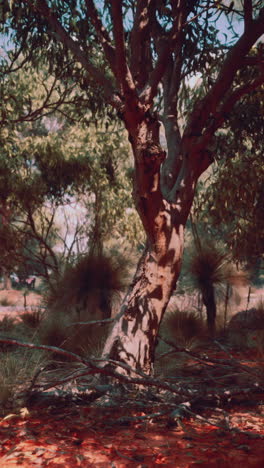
134, 334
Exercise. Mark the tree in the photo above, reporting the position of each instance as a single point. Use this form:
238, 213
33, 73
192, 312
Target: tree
230, 202
131, 53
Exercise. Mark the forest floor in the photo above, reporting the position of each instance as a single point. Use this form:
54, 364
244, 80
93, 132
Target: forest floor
59, 434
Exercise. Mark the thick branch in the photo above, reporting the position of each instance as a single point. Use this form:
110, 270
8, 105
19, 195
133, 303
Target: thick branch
170, 43
102, 33
228, 105
123, 74
248, 14
233, 62
140, 44
43, 8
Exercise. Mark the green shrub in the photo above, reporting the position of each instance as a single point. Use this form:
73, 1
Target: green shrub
17, 369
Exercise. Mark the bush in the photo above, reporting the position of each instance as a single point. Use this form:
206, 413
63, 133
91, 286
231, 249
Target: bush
246, 328
32, 319
185, 330
84, 340
16, 372
7, 324
182, 327
89, 288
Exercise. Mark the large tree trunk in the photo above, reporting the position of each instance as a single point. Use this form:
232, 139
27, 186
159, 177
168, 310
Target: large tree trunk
134, 334
133, 337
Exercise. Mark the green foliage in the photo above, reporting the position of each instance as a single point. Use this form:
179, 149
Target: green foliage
17, 369
50, 163
234, 200
230, 202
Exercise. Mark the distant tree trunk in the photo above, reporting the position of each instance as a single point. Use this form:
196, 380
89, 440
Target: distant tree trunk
6, 280
208, 295
5, 215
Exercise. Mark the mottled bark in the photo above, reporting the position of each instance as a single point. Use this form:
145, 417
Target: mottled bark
134, 335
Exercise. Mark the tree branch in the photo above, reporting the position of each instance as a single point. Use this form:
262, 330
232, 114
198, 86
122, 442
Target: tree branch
174, 36
42, 7
140, 44
102, 33
247, 14
233, 62
228, 105
123, 74
94, 366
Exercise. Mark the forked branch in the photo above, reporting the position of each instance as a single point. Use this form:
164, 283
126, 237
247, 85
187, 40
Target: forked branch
43, 8
102, 33
123, 74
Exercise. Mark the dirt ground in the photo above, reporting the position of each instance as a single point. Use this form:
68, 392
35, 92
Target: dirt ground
88, 438
17, 303
72, 435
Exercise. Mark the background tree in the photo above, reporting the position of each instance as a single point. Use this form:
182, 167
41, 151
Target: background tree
130, 53
230, 201
50, 163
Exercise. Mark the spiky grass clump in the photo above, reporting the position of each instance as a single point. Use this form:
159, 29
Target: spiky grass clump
86, 292
185, 330
213, 274
16, 372
84, 340
32, 319
209, 264
182, 327
93, 283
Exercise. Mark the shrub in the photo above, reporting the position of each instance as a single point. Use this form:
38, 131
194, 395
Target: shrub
16, 372
7, 323
246, 328
32, 319
182, 327
85, 340
185, 330
89, 288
